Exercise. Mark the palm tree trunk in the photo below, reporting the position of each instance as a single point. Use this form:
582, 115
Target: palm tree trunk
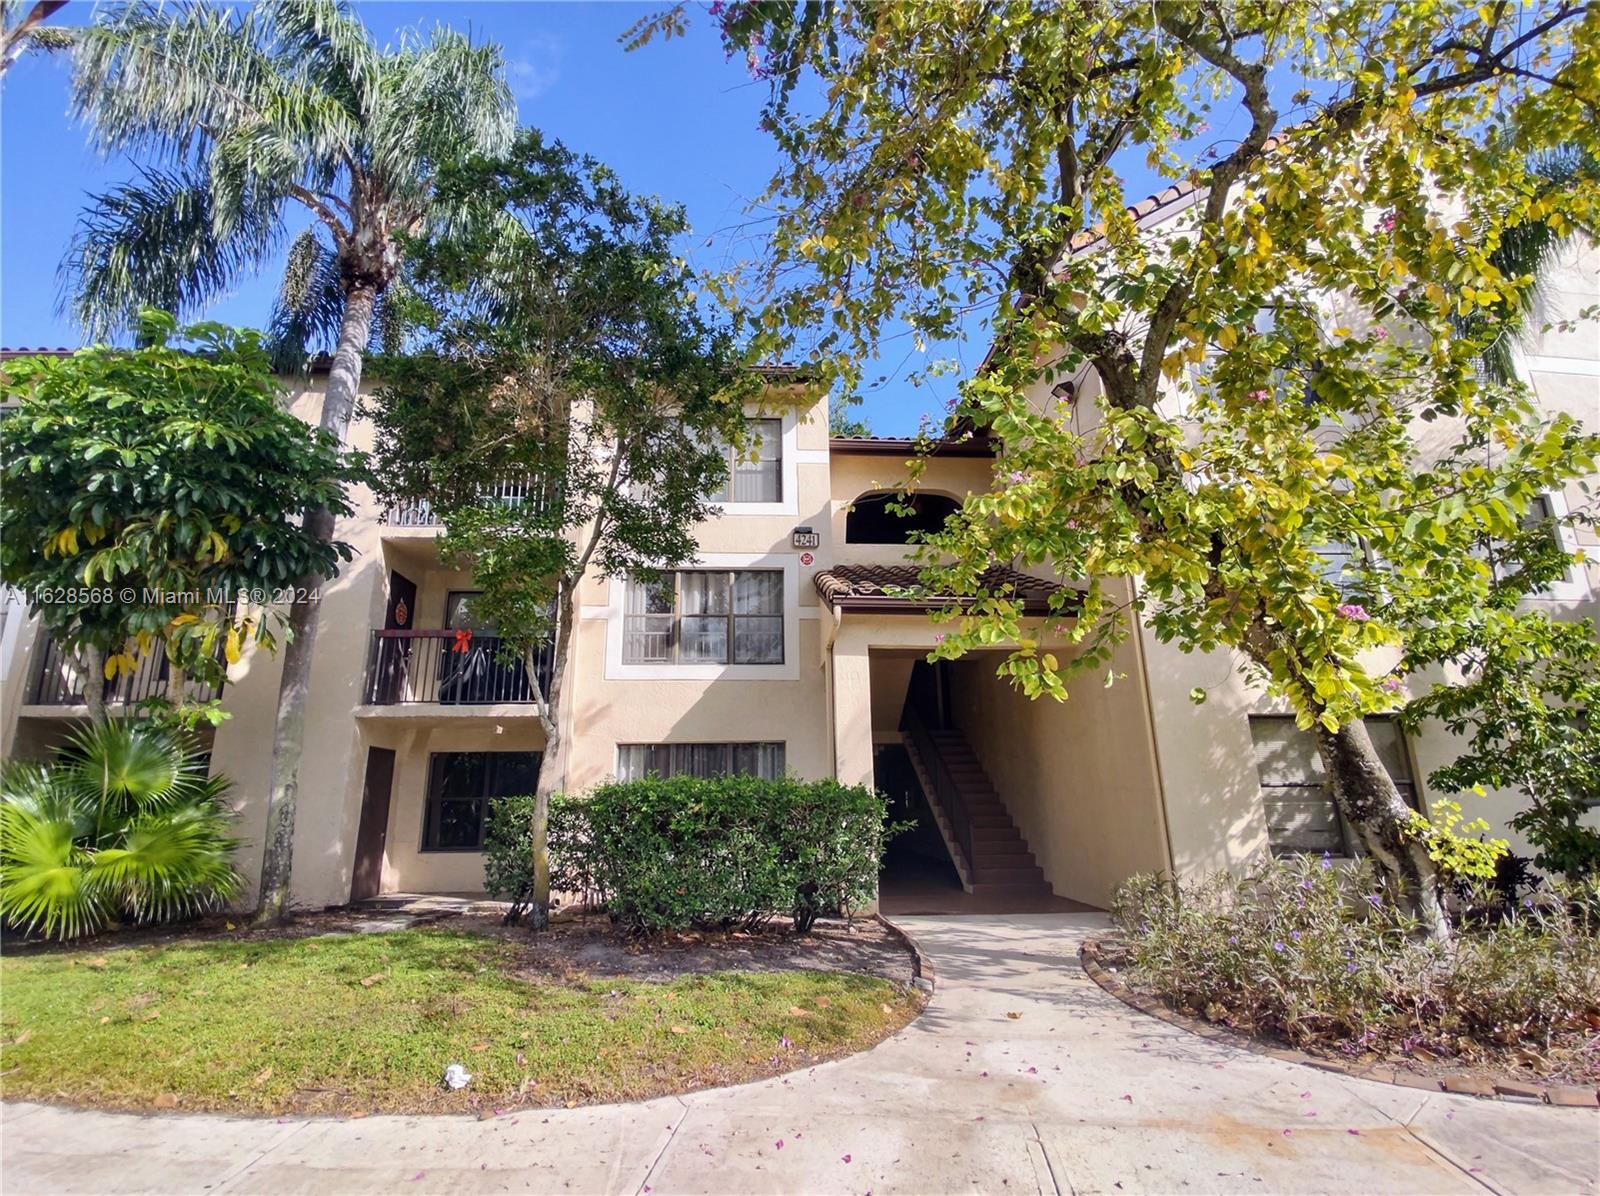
288, 738
1370, 802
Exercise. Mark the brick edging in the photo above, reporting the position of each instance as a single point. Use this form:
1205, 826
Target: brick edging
922, 964
1565, 1095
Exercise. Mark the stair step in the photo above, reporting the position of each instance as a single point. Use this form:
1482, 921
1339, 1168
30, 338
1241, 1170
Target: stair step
1010, 890
1002, 849
988, 873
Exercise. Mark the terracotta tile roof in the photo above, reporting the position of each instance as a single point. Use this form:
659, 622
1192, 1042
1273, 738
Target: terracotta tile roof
910, 446
864, 587
41, 351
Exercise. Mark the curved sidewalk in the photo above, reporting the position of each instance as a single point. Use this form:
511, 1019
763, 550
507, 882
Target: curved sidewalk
1022, 1076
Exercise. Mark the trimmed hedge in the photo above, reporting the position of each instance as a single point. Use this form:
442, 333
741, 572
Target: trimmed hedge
682, 852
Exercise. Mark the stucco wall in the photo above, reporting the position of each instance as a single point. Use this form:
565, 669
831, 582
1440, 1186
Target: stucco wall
1078, 777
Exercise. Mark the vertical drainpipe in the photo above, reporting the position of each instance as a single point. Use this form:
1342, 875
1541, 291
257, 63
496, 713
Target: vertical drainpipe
1150, 732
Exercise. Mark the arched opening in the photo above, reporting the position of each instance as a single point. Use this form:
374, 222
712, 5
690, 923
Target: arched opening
870, 521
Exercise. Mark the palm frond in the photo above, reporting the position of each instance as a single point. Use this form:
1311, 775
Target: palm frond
161, 78
43, 885
171, 864
310, 305
442, 100
157, 242
331, 45
1527, 250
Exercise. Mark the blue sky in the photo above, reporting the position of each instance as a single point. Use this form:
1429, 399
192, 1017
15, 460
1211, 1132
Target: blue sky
674, 119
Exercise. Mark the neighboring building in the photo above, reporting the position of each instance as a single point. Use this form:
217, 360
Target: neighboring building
770, 655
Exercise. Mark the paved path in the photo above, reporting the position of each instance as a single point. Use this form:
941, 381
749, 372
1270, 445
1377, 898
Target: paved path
1077, 1094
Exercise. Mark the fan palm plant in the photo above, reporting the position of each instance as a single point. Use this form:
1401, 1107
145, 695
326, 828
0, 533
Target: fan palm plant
124, 824
247, 112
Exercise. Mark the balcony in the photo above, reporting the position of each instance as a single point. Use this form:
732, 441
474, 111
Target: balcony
59, 680
510, 492
441, 668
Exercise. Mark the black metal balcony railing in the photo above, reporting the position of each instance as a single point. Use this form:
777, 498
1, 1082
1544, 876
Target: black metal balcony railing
59, 681
511, 492
443, 668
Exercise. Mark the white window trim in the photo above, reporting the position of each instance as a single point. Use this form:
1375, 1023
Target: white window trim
789, 670
788, 470
1574, 587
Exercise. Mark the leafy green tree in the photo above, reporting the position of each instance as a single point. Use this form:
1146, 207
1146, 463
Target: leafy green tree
1519, 692
1209, 460
154, 495
565, 348
250, 112
125, 823
843, 421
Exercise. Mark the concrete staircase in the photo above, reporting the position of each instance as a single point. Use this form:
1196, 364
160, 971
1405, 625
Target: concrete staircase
1000, 863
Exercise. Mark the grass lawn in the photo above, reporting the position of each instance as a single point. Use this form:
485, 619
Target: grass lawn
367, 1023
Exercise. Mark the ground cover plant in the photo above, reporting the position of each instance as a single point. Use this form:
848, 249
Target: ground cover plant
125, 824
671, 853
1306, 951
221, 1024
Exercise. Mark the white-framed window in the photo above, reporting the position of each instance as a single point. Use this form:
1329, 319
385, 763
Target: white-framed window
1295, 794
755, 470
1547, 511
637, 760
705, 616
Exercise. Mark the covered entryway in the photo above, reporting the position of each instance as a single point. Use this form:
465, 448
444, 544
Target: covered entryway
964, 852
1020, 805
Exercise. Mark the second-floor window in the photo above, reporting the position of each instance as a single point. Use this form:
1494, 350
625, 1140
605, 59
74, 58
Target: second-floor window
705, 616
755, 470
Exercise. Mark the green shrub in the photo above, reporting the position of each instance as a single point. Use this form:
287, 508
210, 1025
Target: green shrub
1309, 951
687, 851
123, 824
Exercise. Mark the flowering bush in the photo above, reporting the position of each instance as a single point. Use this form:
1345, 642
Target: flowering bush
1309, 951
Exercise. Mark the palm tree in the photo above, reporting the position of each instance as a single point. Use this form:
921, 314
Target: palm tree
125, 823
22, 31
1529, 250
248, 112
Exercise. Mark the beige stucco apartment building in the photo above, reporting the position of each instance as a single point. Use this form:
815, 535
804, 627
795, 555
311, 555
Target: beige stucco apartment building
780, 651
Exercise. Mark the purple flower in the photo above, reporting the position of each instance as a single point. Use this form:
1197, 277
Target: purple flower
1380, 333
1351, 968
1386, 222
1307, 883
1327, 861
1375, 901
1279, 947
1233, 938
1392, 684
1354, 611
939, 639
1295, 935
1259, 396
1017, 477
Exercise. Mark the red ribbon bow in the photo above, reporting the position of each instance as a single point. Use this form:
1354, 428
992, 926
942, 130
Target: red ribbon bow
463, 640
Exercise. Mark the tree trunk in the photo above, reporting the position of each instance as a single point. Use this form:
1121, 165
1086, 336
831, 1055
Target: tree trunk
553, 766
288, 738
1371, 803
94, 685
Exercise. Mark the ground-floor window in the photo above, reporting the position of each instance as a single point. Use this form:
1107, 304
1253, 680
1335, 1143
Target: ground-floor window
460, 787
1295, 796
635, 760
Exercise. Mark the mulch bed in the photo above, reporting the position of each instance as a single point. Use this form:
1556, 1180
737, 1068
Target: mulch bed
1507, 1079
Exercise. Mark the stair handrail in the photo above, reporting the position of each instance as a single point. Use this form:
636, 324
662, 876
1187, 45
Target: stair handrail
946, 791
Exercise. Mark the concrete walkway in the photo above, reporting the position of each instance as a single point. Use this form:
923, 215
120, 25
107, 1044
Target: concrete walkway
1022, 1076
